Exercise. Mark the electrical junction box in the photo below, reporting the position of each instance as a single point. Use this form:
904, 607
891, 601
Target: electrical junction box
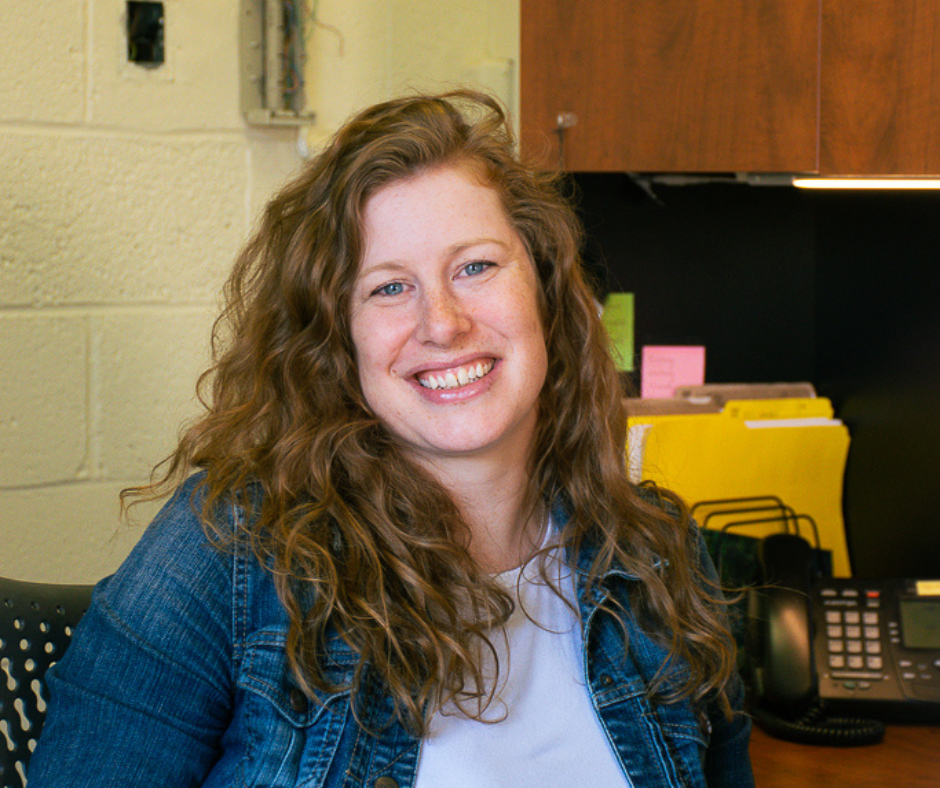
272, 53
145, 34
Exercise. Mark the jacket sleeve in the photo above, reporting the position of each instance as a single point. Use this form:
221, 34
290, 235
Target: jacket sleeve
142, 696
727, 760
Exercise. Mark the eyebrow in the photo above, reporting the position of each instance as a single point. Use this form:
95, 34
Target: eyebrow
452, 251
460, 246
385, 267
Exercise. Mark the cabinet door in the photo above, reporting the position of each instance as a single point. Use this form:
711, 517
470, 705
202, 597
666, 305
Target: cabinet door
672, 85
880, 105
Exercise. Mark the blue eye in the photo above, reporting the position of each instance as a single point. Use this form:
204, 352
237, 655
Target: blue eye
475, 268
391, 289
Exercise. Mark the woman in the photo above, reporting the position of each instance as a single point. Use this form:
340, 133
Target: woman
411, 555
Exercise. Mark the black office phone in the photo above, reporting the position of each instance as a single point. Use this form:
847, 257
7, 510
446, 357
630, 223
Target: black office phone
821, 648
878, 644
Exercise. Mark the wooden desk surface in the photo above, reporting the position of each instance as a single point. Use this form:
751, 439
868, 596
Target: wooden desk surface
909, 757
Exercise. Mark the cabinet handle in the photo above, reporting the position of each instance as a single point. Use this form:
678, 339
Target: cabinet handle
563, 121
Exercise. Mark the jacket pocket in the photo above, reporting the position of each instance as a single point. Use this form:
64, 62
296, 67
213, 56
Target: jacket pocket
289, 739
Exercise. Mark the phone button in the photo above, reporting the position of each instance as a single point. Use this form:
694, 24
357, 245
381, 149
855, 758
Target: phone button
856, 663
834, 631
873, 646
852, 617
857, 675
836, 661
836, 646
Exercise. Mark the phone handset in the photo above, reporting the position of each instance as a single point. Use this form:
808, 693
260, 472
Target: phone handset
780, 645
786, 675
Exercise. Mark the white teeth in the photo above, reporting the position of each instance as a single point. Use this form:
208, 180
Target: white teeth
452, 380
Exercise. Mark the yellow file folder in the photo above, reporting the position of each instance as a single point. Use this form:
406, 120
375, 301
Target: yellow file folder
790, 448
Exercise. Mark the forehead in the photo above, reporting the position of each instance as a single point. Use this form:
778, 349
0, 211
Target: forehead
441, 206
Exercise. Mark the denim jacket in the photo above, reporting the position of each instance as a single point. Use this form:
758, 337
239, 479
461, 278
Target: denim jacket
177, 676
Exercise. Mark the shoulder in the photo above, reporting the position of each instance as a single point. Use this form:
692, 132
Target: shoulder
667, 502
177, 538
174, 568
152, 660
651, 531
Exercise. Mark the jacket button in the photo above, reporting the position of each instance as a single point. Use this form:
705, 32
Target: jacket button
386, 782
298, 701
606, 680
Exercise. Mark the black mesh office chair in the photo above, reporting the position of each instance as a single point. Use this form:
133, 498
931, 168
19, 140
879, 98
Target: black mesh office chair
36, 624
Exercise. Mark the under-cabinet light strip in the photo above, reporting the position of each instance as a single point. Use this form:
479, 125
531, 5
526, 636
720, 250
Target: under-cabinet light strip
867, 183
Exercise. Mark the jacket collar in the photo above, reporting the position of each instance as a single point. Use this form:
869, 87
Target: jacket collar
588, 553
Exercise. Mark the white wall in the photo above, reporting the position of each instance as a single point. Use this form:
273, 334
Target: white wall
124, 196
125, 193
369, 50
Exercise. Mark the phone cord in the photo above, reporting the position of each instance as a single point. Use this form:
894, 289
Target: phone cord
814, 727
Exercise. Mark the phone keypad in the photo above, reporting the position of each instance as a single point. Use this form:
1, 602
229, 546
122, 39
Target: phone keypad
853, 633
862, 652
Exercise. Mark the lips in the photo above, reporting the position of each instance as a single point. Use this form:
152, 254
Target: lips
456, 377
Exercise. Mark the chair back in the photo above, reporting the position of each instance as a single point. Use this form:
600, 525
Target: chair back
36, 625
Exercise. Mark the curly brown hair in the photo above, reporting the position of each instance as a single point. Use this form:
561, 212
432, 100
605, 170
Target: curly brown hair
360, 539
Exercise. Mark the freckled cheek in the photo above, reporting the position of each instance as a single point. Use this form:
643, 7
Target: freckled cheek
539, 351
529, 323
379, 351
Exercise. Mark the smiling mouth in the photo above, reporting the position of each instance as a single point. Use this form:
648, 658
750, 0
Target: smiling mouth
456, 377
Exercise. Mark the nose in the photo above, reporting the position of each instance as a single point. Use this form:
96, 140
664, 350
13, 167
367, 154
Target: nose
443, 319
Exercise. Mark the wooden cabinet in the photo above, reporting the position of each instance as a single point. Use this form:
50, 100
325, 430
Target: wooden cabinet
672, 85
732, 85
880, 87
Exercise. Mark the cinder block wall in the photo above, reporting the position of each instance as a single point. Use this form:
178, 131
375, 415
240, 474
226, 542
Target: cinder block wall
125, 193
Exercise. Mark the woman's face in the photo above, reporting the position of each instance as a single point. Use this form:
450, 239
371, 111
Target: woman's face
445, 319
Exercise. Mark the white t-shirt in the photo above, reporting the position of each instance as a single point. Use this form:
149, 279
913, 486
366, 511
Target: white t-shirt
546, 732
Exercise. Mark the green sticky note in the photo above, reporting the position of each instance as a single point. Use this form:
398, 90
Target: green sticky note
618, 320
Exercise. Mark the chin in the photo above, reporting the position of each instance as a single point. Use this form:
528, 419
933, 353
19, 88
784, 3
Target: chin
471, 445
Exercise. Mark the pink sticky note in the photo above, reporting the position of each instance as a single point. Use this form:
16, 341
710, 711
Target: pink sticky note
667, 366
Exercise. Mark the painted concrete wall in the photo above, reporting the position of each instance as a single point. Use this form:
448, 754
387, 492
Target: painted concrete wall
125, 193
369, 50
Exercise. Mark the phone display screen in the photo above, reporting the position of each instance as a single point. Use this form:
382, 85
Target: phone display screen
920, 623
